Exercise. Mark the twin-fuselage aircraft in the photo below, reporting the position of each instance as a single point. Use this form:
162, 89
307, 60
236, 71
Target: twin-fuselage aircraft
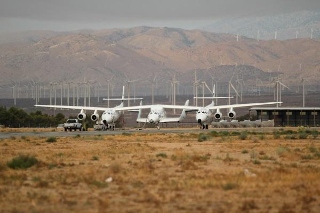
157, 112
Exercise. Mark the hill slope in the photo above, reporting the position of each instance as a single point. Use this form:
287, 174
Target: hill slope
287, 26
140, 52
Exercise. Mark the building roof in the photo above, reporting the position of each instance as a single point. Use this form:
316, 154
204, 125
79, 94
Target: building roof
286, 108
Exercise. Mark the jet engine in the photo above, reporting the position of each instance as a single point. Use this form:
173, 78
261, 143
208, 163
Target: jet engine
218, 115
82, 115
231, 114
95, 116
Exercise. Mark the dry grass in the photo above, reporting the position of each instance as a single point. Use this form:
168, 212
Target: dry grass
161, 173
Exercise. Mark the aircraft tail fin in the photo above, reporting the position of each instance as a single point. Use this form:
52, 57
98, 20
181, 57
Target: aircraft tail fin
214, 90
184, 113
139, 118
122, 97
212, 104
139, 112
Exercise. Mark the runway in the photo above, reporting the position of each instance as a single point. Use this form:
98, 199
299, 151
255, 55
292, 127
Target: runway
50, 132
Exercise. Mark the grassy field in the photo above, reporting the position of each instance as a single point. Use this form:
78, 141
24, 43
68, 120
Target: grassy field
213, 171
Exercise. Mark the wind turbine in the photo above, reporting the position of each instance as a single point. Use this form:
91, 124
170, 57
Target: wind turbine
278, 90
214, 84
74, 87
50, 92
205, 85
258, 85
234, 89
68, 93
303, 92
61, 92
129, 88
303, 97
195, 87
153, 85
26, 90
240, 83
35, 90
97, 90
88, 84
13, 87
108, 87
174, 82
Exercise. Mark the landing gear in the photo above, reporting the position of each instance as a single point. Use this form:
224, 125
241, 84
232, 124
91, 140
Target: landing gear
204, 126
111, 127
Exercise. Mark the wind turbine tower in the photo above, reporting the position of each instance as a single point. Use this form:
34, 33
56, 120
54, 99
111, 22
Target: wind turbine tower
195, 88
303, 93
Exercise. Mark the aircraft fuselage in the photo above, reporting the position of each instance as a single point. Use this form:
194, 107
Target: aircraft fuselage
110, 116
156, 114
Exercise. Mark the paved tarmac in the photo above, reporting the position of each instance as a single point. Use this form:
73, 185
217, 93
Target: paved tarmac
33, 133
50, 132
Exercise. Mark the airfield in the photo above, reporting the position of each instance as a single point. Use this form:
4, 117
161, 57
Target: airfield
167, 170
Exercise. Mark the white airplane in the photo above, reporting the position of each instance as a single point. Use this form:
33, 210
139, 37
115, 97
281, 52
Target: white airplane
204, 114
108, 117
158, 114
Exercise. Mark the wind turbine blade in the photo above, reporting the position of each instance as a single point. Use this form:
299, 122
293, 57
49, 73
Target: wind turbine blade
283, 85
234, 89
208, 88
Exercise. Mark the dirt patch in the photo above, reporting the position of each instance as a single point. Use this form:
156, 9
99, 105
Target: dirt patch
162, 172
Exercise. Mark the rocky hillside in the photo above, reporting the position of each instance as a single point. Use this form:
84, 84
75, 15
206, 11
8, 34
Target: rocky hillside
302, 24
139, 53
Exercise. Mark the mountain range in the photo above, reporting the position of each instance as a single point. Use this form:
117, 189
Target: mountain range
300, 24
143, 52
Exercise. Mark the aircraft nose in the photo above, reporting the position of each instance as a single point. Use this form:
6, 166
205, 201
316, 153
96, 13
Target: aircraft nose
200, 118
106, 119
153, 119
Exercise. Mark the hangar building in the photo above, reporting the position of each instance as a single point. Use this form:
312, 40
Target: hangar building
289, 116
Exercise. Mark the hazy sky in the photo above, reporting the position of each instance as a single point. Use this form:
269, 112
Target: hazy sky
66, 15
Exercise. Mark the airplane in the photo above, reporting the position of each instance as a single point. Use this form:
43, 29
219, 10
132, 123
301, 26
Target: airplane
158, 114
204, 114
108, 117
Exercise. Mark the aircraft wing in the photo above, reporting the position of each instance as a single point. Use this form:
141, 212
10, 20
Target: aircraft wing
74, 107
142, 120
150, 106
167, 120
241, 105
195, 108
122, 99
187, 108
212, 97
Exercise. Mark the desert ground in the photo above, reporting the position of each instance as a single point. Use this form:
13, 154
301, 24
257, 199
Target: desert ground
204, 171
